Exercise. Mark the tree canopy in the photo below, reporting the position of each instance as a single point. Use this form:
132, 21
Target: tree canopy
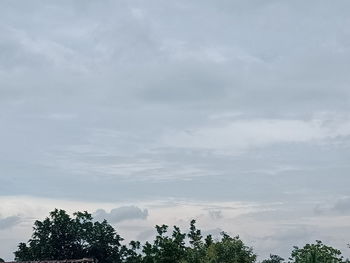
61, 236
273, 259
316, 253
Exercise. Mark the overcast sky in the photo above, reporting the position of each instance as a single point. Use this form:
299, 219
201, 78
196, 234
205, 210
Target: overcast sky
235, 113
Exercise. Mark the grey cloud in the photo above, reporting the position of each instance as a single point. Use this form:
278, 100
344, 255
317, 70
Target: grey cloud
281, 242
215, 232
318, 209
215, 214
121, 214
339, 206
163, 77
342, 205
125, 101
147, 234
9, 222
293, 233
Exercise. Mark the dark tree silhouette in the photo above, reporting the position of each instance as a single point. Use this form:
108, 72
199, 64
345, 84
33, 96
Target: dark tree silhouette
273, 259
316, 253
61, 237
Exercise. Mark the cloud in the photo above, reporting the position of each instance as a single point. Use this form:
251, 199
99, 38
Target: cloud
292, 233
215, 214
120, 214
342, 205
215, 233
237, 101
251, 133
147, 234
9, 222
338, 207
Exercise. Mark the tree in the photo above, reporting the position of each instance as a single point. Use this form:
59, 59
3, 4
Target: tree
196, 252
132, 254
104, 243
316, 253
148, 253
273, 259
229, 250
166, 248
1, 260
61, 237
195, 235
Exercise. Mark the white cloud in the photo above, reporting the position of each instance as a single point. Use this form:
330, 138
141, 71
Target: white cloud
250, 133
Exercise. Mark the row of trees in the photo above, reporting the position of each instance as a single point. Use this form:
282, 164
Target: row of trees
61, 236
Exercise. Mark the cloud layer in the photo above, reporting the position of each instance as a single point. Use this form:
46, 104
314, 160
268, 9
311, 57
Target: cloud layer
114, 102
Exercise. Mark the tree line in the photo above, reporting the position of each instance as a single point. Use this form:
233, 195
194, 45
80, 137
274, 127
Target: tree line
61, 236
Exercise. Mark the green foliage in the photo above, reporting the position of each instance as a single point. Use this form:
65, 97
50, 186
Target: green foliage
132, 254
166, 248
1, 260
316, 253
61, 237
273, 259
196, 253
229, 250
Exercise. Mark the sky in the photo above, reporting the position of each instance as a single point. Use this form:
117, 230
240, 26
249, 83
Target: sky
234, 113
